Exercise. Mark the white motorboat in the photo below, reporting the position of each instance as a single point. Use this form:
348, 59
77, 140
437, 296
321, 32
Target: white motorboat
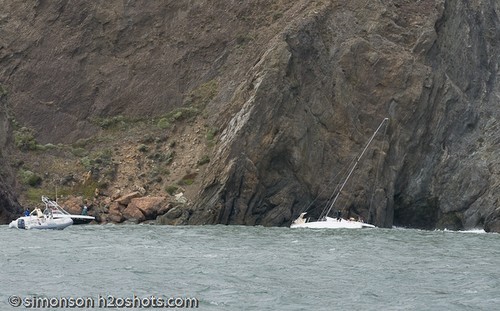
325, 222
60, 213
39, 220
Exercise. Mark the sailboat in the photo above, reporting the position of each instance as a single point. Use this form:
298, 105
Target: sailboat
326, 222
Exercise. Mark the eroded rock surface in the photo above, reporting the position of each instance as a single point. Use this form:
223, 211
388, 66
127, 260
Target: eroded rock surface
300, 88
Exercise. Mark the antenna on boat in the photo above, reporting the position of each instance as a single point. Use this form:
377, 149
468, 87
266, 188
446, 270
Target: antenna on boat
356, 164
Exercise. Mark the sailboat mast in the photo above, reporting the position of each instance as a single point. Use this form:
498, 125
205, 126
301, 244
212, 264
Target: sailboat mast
355, 164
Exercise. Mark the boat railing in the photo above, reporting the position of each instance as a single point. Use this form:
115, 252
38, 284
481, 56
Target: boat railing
52, 205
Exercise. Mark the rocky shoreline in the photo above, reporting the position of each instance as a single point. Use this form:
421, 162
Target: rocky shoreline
132, 208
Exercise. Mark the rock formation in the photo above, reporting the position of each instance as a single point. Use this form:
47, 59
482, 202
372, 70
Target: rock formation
431, 66
300, 86
9, 207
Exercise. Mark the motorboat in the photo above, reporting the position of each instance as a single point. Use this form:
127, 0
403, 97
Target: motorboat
60, 213
41, 220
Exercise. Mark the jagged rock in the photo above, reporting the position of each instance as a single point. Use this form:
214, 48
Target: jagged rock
125, 199
72, 205
141, 190
149, 206
115, 208
115, 212
180, 198
174, 213
165, 208
492, 221
133, 213
116, 218
106, 201
9, 207
174, 217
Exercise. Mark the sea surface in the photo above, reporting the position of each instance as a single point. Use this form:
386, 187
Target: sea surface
248, 268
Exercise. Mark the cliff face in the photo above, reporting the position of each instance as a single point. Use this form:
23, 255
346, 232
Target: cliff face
459, 182
328, 80
71, 61
9, 207
310, 104
300, 88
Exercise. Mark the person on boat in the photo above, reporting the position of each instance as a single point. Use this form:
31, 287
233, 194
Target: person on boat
339, 215
84, 210
27, 212
38, 212
39, 215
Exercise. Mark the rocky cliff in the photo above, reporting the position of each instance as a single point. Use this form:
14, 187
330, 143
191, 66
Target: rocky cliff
281, 97
9, 207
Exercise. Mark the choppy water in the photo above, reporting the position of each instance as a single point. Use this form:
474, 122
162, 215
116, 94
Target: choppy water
256, 268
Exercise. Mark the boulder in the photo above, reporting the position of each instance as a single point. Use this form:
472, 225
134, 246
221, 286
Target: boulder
9, 207
133, 213
115, 212
149, 206
116, 218
73, 205
493, 226
174, 217
179, 197
125, 199
116, 207
492, 221
174, 213
164, 209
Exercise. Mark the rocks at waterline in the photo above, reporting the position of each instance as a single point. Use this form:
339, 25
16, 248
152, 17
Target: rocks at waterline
132, 208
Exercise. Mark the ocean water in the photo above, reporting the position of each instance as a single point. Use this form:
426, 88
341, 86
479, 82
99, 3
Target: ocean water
248, 268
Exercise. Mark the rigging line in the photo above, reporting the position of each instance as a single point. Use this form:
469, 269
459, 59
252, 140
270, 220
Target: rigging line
356, 164
324, 190
377, 172
346, 202
342, 172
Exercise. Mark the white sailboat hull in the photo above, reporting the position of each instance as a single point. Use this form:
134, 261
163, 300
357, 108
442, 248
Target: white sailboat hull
332, 223
34, 222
